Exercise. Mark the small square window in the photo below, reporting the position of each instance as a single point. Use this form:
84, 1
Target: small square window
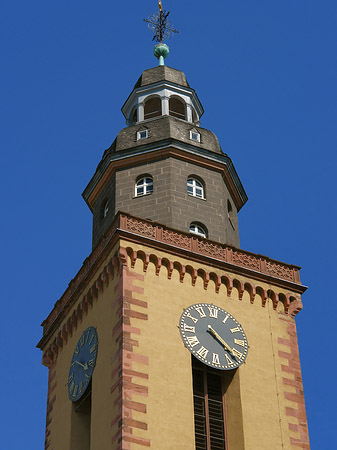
143, 134
194, 136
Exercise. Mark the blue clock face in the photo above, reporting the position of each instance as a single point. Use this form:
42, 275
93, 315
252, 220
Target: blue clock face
82, 364
213, 336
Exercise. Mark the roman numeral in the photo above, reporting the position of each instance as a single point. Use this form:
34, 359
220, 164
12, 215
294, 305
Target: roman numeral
195, 320
70, 378
91, 362
229, 361
200, 311
224, 321
192, 340
77, 350
216, 359
239, 342
71, 388
236, 353
202, 352
91, 339
93, 348
213, 312
189, 329
235, 330
75, 390
82, 340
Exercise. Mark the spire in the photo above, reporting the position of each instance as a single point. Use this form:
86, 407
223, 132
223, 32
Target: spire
162, 29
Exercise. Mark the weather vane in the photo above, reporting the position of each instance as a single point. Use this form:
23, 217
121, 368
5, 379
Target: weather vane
162, 29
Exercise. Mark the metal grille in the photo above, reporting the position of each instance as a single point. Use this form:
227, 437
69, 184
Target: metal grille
215, 411
199, 411
208, 409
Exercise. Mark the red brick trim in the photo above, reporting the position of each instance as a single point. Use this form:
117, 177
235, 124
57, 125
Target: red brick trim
50, 402
126, 381
293, 367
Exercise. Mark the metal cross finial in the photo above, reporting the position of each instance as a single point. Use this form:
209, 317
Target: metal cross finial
159, 24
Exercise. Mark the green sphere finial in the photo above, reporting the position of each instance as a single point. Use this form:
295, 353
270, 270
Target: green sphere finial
161, 52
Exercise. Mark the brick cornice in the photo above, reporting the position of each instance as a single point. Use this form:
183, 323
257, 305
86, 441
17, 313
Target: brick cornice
151, 234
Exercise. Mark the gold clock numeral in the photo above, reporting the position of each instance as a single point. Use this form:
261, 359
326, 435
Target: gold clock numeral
189, 315
200, 311
229, 361
71, 388
75, 390
235, 330
82, 340
202, 352
213, 312
239, 342
73, 364
81, 387
192, 340
216, 359
87, 337
91, 339
236, 353
87, 378
93, 348
91, 362
70, 378
77, 350
224, 321
188, 328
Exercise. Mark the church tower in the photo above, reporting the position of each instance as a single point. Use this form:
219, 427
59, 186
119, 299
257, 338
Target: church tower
170, 336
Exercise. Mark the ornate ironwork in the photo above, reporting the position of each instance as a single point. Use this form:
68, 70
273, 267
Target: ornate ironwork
159, 24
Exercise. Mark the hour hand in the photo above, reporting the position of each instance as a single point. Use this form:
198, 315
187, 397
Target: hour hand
219, 338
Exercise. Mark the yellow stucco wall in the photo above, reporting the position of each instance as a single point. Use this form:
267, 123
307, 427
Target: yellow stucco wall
102, 316
255, 399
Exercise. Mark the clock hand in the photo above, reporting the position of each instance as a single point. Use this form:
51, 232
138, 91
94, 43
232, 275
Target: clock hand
217, 336
85, 367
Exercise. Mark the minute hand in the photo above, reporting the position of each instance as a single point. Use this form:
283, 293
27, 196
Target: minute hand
215, 334
85, 367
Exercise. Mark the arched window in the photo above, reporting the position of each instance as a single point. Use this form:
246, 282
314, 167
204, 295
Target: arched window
105, 209
134, 117
230, 214
195, 187
144, 185
177, 108
199, 229
152, 108
194, 116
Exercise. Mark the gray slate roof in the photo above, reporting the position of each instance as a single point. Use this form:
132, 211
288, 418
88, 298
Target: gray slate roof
163, 128
162, 73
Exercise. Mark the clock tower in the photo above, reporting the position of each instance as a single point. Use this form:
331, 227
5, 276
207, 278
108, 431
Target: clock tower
171, 336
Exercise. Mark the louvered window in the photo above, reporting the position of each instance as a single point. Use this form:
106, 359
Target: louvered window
209, 405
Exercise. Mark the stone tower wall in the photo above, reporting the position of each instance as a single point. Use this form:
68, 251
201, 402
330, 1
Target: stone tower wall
169, 203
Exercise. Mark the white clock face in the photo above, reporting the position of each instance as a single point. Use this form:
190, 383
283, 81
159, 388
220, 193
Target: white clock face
213, 336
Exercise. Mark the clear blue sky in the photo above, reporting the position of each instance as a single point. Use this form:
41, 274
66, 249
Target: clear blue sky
265, 72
